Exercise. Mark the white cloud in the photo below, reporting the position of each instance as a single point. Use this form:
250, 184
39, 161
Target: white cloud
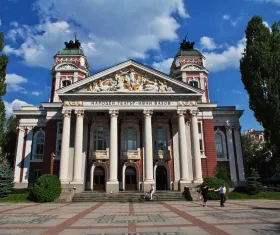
277, 12
14, 105
237, 92
163, 66
119, 30
229, 58
36, 93
0, 22
226, 17
207, 43
267, 25
277, 2
13, 82
236, 21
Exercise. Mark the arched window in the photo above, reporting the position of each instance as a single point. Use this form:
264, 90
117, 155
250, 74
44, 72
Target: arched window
66, 83
99, 140
130, 139
160, 139
194, 84
38, 145
219, 145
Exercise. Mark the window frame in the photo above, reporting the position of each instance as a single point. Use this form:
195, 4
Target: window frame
95, 141
224, 156
125, 139
34, 156
156, 139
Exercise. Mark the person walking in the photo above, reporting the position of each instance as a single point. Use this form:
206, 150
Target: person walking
204, 192
223, 191
152, 191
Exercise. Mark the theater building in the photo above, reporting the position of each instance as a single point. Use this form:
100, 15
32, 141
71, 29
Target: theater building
128, 127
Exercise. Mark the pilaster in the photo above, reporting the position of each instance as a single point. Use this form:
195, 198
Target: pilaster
231, 154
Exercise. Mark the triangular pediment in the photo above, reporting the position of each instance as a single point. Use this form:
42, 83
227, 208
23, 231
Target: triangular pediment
129, 77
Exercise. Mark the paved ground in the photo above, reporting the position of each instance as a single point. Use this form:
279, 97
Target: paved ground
168, 218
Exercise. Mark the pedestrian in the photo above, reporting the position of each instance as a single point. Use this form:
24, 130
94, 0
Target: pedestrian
223, 191
204, 192
152, 191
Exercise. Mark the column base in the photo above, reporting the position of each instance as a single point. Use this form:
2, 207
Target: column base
176, 185
147, 185
184, 183
112, 187
199, 181
20, 185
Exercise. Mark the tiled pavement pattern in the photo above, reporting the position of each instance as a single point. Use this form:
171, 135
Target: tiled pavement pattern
260, 217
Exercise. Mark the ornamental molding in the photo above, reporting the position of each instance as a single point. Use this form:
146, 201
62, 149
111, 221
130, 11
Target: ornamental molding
193, 112
129, 80
192, 68
187, 103
181, 112
67, 67
73, 103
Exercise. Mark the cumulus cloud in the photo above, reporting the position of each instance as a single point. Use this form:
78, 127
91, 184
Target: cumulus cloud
229, 58
207, 43
226, 17
277, 2
125, 32
36, 93
14, 105
14, 82
163, 66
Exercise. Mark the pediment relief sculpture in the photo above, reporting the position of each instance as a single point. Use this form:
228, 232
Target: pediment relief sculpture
192, 68
130, 80
67, 67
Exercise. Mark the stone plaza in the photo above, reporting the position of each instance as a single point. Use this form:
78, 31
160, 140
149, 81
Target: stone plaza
168, 218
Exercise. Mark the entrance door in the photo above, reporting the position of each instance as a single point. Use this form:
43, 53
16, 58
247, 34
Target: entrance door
161, 178
99, 179
130, 179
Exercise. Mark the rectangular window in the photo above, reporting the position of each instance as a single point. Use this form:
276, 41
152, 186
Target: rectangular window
200, 145
199, 127
58, 147
59, 128
37, 173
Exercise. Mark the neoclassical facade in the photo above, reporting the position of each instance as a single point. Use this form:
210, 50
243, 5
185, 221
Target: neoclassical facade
128, 127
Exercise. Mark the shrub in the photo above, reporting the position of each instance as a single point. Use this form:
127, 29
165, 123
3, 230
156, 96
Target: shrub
47, 188
213, 182
253, 186
221, 173
6, 178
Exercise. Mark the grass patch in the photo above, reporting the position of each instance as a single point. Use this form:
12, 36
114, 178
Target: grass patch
263, 195
21, 197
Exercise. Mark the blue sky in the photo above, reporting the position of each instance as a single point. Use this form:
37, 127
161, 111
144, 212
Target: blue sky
112, 31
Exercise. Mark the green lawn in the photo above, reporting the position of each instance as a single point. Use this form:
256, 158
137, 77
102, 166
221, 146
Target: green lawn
264, 195
21, 197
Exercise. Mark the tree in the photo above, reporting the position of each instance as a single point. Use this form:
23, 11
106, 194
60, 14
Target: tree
257, 156
3, 65
221, 173
260, 73
6, 178
10, 139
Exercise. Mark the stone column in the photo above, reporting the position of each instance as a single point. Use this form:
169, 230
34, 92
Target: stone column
148, 149
21, 131
231, 155
184, 176
27, 156
240, 163
64, 157
78, 157
196, 148
113, 183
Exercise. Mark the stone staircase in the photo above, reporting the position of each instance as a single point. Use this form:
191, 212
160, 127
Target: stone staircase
127, 196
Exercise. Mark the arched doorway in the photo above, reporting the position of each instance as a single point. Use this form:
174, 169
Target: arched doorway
99, 179
161, 178
130, 178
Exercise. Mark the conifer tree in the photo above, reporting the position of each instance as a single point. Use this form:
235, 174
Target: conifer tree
6, 178
3, 65
260, 71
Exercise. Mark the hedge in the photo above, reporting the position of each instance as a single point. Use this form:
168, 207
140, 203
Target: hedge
213, 182
47, 188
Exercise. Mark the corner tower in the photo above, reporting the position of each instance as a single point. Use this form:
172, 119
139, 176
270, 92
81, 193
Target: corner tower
70, 66
188, 66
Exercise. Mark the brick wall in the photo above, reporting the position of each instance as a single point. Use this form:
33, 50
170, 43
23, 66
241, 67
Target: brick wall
50, 144
210, 148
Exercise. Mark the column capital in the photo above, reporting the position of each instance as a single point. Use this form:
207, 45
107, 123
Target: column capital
114, 112
29, 128
21, 128
181, 112
193, 112
66, 113
229, 128
80, 112
147, 112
